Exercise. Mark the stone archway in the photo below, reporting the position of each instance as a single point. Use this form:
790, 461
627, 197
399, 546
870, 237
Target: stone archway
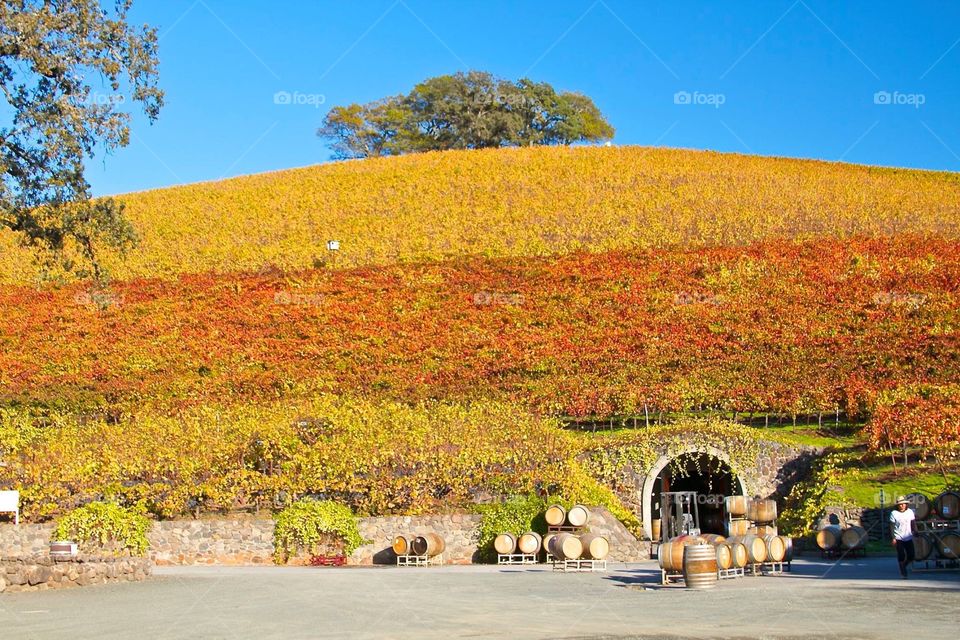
646, 496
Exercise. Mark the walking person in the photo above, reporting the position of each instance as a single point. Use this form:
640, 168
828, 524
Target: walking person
901, 528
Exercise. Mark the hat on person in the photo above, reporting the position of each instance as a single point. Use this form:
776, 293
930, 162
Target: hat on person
903, 500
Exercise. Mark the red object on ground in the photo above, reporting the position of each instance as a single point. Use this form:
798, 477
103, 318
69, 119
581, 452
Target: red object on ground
328, 561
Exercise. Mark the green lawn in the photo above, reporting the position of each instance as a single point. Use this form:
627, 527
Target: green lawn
863, 485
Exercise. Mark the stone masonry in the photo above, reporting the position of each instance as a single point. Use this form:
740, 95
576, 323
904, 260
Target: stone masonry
250, 541
39, 572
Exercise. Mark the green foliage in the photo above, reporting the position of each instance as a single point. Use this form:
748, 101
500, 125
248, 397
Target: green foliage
309, 523
377, 457
823, 487
517, 516
107, 526
471, 110
581, 488
639, 450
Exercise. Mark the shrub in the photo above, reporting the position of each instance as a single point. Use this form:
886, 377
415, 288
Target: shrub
311, 523
517, 516
108, 526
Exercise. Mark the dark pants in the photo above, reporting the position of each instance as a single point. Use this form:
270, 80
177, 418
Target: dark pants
905, 554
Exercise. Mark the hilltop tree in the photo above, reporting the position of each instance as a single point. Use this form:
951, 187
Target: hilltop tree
472, 110
66, 69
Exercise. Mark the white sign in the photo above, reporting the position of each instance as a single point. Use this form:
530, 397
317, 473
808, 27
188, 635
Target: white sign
10, 503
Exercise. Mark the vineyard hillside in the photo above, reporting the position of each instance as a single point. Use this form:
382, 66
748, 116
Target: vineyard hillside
514, 202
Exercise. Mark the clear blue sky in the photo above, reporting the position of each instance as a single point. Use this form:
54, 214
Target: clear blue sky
773, 77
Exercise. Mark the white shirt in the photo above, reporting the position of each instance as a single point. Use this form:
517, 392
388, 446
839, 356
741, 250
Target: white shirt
900, 524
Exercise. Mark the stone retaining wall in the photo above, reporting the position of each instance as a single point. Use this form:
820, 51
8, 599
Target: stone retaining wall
39, 572
250, 541
239, 542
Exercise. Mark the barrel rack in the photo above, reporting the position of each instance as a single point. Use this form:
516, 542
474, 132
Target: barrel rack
516, 558
767, 568
670, 577
935, 530
419, 561
733, 572
581, 565
840, 553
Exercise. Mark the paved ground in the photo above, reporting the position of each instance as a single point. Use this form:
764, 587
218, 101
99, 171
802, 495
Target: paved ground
852, 599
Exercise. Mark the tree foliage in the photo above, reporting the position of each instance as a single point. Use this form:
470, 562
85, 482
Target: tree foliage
66, 69
471, 110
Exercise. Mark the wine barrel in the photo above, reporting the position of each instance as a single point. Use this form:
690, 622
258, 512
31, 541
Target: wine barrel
737, 528
700, 566
788, 545
505, 543
529, 543
578, 515
594, 547
947, 505
429, 544
670, 554
724, 556
566, 546
655, 529
853, 537
920, 504
776, 549
555, 515
711, 521
546, 542
922, 547
755, 546
401, 545
829, 537
738, 554
762, 511
763, 530
948, 545
712, 538
736, 506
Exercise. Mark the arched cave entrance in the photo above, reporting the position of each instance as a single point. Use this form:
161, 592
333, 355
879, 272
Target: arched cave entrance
706, 472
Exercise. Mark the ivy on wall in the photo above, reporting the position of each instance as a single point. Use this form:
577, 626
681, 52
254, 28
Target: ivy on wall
682, 441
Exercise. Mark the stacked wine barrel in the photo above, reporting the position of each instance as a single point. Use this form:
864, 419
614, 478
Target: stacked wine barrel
833, 539
567, 537
938, 538
528, 543
728, 553
428, 545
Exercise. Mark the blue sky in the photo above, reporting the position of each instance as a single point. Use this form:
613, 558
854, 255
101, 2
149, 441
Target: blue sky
866, 82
